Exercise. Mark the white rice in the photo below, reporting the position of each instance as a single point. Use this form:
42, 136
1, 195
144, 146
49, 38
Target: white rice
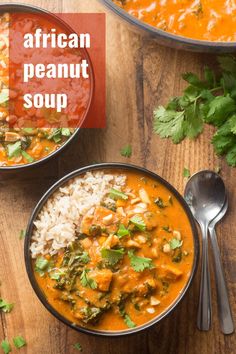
56, 224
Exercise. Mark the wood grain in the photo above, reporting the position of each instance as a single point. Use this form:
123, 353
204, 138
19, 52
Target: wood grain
140, 75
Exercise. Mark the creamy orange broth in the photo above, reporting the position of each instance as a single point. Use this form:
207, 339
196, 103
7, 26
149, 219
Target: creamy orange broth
166, 279
206, 19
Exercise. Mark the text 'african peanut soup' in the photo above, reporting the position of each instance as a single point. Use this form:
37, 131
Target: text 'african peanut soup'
112, 250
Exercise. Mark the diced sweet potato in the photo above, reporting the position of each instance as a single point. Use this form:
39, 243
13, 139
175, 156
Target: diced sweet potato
103, 278
171, 272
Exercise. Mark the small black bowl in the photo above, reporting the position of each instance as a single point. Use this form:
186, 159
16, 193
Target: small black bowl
169, 39
38, 208
23, 8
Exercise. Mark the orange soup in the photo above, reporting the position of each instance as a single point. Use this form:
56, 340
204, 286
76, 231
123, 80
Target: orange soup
199, 19
112, 250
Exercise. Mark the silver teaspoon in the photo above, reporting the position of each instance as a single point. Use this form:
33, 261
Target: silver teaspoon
205, 194
225, 315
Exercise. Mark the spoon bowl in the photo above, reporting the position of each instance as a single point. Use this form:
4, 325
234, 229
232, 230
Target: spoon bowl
205, 194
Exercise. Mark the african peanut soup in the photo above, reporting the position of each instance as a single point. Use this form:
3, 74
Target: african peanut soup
130, 260
28, 135
199, 19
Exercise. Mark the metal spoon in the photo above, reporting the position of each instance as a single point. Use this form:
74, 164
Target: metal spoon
205, 194
226, 320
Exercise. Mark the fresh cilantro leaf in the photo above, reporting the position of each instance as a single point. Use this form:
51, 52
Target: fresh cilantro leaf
175, 243
138, 222
128, 321
78, 346
6, 347
223, 143
5, 306
19, 342
86, 281
122, 231
168, 123
227, 63
139, 264
126, 151
193, 80
219, 109
112, 256
115, 194
186, 173
84, 257
231, 156
22, 234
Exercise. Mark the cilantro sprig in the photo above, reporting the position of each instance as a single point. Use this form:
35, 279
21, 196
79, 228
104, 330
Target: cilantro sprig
5, 306
86, 281
210, 100
112, 256
139, 264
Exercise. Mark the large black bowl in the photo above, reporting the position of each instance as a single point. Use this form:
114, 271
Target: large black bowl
38, 208
16, 8
171, 40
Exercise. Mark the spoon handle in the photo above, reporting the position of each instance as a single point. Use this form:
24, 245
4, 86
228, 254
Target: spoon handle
226, 320
204, 305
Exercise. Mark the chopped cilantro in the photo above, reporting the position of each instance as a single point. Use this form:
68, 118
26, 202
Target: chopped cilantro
138, 222
5, 306
139, 263
112, 256
175, 243
6, 347
115, 194
122, 231
19, 342
86, 281
186, 173
78, 346
126, 151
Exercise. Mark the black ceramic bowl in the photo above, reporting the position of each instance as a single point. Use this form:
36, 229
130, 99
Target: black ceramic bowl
16, 8
47, 195
171, 40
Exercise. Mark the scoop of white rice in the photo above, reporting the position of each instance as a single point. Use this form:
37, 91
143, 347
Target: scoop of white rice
55, 226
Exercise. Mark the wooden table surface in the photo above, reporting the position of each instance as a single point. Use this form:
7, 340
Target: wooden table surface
140, 75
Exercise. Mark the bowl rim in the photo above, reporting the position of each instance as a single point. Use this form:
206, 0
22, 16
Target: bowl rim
48, 194
167, 35
22, 7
